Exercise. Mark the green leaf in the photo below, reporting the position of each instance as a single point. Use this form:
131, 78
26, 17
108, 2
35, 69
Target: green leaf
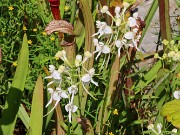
36, 119
148, 18
80, 34
22, 114
149, 77
9, 115
171, 110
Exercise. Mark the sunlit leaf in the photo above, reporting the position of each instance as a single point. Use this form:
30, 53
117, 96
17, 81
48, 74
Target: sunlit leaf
9, 115
171, 111
36, 119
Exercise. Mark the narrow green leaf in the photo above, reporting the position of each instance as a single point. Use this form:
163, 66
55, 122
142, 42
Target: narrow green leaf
149, 17
9, 115
149, 77
36, 119
22, 114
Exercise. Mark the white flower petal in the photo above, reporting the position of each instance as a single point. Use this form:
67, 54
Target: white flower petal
74, 109
117, 9
129, 35
50, 90
176, 94
56, 75
105, 49
51, 68
159, 127
132, 22
98, 55
91, 71
95, 83
56, 96
104, 9
50, 83
67, 108
86, 78
108, 30
118, 43
95, 41
50, 101
64, 95
135, 15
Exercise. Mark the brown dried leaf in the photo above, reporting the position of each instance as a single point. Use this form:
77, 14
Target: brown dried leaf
59, 26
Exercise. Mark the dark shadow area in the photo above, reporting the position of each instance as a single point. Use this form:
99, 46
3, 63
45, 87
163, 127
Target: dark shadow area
11, 108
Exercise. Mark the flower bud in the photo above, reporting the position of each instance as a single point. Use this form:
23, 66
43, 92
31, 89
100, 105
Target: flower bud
79, 58
150, 126
156, 55
77, 63
87, 54
118, 22
58, 55
164, 56
61, 69
104, 9
165, 42
126, 5
64, 53
171, 54
172, 42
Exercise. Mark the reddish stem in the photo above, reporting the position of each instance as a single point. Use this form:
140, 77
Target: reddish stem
54, 4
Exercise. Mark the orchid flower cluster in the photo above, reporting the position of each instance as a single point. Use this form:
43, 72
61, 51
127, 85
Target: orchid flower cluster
173, 50
122, 32
68, 77
65, 80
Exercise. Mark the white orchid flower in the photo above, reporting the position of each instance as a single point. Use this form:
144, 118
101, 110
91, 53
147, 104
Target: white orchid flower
100, 48
104, 29
62, 55
176, 94
87, 78
78, 60
70, 108
174, 131
73, 90
130, 36
119, 46
159, 128
56, 96
55, 75
132, 20
106, 10
117, 11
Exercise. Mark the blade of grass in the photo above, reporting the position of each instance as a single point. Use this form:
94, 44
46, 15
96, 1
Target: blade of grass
36, 118
9, 115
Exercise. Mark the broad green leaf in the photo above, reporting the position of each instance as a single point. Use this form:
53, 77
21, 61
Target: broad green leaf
80, 33
171, 111
9, 115
36, 118
23, 115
